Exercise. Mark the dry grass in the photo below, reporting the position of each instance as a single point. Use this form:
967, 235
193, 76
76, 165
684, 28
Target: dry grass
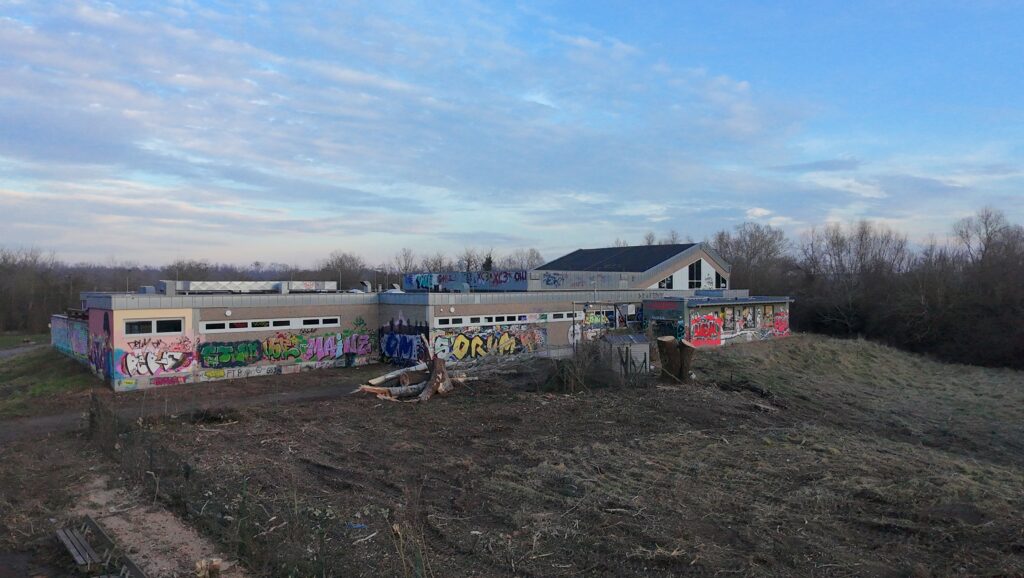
867, 461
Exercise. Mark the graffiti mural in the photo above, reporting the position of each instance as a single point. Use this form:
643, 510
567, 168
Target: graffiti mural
705, 330
503, 280
403, 343
151, 357
215, 354
473, 343
780, 324
337, 349
60, 337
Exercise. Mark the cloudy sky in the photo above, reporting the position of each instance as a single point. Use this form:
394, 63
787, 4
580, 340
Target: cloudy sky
242, 131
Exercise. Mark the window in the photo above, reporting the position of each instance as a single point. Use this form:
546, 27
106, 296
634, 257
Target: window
443, 321
239, 325
456, 320
558, 315
256, 324
666, 283
720, 282
489, 319
311, 322
138, 327
522, 318
330, 321
474, 320
282, 323
500, 318
168, 325
695, 274
210, 326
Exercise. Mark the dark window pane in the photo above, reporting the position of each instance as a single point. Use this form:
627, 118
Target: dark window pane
311, 322
239, 325
442, 322
210, 326
330, 320
474, 320
168, 326
282, 323
260, 324
136, 327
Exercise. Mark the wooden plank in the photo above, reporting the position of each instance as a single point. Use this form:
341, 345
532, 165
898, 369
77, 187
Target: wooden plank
65, 539
90, 555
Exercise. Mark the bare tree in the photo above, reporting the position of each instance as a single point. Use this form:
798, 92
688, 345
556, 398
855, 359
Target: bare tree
521, 259
672, 238
650, 238
469, 260
404, 260
620, 243
436, 263
345, 268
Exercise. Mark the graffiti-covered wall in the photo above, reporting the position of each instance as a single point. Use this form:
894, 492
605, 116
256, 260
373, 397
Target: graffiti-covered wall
715, 325
468, 343
70, 337
477, 280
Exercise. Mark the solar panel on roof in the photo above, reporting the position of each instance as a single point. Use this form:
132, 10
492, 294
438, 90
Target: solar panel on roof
616, 259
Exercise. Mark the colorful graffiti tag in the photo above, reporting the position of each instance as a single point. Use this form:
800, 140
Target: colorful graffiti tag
705, 330
150, 357
780, 324
497, 340
345, 348
216, 355
402, 343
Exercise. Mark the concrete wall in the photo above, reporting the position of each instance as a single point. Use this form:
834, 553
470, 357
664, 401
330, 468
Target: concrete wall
714, 325
70, 337
195, 354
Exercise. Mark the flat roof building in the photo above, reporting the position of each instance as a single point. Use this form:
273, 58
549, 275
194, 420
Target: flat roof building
194, 331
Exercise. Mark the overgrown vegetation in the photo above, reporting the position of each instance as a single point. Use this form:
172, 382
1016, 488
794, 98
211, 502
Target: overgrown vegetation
39, 373
956, 300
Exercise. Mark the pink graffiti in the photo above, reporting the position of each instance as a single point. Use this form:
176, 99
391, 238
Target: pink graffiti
155, 362
358, 344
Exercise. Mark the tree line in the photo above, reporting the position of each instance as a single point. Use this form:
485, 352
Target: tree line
34, 284
959, 300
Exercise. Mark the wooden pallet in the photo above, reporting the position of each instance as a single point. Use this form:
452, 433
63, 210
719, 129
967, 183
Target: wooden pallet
77, 542
85, 557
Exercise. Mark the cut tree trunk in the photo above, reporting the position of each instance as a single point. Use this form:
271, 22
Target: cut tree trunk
669, 352
439, 381
686, 353
412, 377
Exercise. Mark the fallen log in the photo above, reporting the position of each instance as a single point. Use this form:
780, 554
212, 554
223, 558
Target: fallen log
394, 392
412, 377
392, 377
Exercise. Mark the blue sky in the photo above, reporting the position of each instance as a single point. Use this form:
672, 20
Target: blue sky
281, 132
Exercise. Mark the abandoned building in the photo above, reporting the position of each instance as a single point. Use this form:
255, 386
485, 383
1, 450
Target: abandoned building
194, 331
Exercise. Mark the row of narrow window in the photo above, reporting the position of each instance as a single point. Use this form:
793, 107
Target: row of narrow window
155, 326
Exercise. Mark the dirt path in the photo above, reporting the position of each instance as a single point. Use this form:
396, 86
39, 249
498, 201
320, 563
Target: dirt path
5, 353
160, 543
67, 421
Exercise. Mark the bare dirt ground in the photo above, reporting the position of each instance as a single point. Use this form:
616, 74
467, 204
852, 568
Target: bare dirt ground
864, 461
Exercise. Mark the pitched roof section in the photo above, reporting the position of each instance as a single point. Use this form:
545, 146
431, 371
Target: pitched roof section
616, 259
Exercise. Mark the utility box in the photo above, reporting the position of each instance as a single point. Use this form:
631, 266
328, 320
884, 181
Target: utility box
628, 355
